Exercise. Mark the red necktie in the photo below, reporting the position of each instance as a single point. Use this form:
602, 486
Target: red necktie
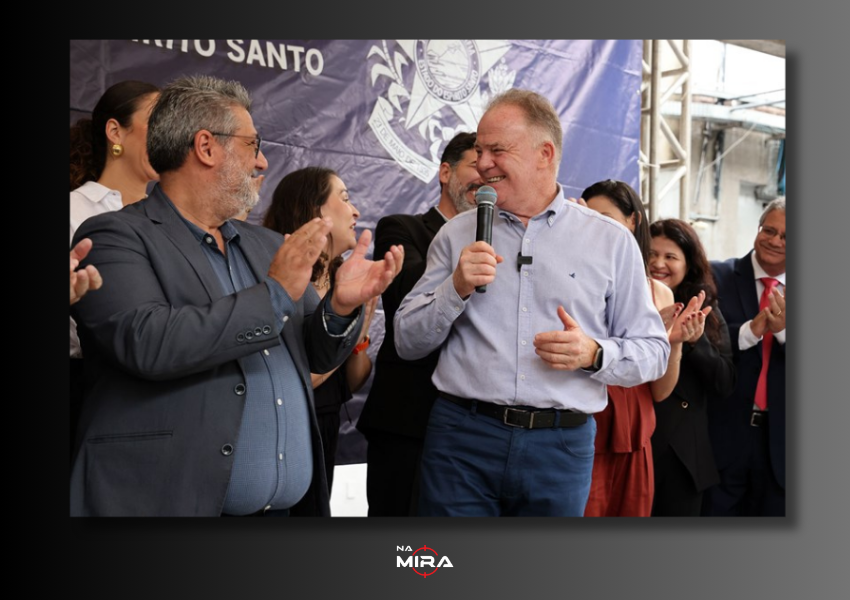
766, 344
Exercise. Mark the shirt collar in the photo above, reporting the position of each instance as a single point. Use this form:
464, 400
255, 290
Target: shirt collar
759, 272
227, 229
95, 192
550, 213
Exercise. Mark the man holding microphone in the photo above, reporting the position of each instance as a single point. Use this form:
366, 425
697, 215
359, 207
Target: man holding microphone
525, 364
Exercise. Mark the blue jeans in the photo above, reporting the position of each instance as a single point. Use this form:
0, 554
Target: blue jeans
476, 466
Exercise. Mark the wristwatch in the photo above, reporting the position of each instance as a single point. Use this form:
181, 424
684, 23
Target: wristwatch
597, 361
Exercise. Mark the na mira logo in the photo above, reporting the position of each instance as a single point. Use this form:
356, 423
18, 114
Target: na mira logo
424, 561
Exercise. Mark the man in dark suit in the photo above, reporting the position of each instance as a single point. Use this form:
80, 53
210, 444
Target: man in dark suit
399, 403
199, 350
748, 429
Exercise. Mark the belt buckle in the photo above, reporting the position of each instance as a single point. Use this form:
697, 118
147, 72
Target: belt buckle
518, 411
756, 419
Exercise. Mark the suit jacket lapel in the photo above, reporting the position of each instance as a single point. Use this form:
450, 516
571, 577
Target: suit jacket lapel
747, 285
257, 254
160, 212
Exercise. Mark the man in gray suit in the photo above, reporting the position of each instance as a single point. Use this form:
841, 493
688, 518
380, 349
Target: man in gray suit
199, 400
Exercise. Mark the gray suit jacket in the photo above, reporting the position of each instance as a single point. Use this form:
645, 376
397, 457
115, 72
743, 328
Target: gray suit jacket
165, 389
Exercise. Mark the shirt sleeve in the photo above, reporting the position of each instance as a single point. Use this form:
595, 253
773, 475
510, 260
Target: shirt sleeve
282, 304
747, 339
637, 348
335, 325
425, 317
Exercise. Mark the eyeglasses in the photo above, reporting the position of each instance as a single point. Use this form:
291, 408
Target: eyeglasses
770, 232
255, 141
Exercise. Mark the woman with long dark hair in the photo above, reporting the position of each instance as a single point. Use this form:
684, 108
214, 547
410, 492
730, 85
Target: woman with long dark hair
684, 464
622, 483
300, 197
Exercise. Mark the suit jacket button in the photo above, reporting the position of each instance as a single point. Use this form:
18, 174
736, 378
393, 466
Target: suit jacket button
249, 335
227, 449
684, 405
267, 329
258, 332
239, 390
240, 337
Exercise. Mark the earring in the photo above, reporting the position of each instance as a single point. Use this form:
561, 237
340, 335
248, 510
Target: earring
117, 150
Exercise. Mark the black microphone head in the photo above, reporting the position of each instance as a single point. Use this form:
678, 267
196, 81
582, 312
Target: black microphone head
485, 195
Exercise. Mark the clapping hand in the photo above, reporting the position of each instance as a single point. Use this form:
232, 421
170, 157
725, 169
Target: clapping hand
83, 280
359, 279
690, 324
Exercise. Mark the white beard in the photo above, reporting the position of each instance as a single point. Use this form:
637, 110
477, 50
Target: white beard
238, 191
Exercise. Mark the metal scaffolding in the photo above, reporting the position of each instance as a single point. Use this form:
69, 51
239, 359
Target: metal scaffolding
666, 71
657, 87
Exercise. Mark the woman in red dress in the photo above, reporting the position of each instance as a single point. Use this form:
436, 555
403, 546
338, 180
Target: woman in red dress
623, 479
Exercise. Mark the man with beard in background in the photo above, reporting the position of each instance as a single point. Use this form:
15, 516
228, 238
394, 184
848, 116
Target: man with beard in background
396, 411
199, 400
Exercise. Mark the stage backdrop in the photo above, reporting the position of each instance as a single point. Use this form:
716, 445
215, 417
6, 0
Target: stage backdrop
380, 112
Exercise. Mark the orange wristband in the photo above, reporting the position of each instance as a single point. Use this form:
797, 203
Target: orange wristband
361, 346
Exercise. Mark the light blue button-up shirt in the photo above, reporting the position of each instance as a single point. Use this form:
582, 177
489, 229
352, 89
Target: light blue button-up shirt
582, 260
273, 459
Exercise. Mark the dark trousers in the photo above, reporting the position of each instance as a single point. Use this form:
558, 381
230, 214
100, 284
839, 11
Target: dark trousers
328, 421
748, 486
476, 466
392, 474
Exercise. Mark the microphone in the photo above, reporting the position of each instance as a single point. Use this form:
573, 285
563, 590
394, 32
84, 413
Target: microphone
485, 199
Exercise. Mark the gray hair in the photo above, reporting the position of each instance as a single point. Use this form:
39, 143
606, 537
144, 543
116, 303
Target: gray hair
778, 204
186, 106
539, 113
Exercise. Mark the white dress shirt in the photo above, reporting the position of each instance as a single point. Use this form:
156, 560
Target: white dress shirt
582, 260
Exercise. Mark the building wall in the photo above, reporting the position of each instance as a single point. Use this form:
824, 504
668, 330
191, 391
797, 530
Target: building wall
727, 220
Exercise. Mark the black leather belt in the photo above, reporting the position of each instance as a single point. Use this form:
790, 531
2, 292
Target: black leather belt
524, 417
758, 418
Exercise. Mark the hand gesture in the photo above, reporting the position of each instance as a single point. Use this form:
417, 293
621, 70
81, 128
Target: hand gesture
669, 314
775, 312
83, 280
358, 279
292, 265
566, 350
475, 267
771, 318
690, 324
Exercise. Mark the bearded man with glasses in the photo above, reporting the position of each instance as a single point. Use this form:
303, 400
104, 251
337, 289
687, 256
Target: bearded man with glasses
203, 342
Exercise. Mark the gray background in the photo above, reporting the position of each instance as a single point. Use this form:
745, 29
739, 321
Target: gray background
801, 556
